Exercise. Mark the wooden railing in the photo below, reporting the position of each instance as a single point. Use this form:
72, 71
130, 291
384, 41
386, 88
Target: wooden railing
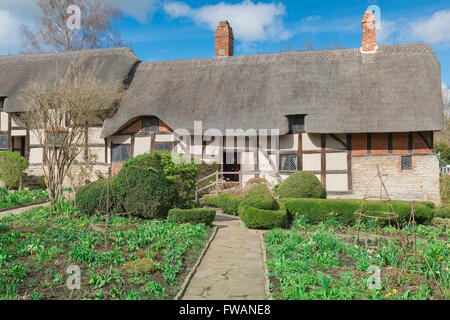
218, 178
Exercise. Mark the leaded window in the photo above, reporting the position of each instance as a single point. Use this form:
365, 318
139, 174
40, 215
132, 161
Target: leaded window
288, 162
163, 146
4, 142
406, 163
2, 102
297, 123
120, 152
150, 125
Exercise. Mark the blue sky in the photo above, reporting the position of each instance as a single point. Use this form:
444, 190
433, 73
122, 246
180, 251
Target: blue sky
184, 30
166, 30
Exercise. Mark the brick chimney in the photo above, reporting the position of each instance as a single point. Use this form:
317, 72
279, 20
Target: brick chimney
224, 40
369, 41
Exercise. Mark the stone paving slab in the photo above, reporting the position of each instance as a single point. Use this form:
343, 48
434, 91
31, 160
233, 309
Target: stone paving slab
233, 266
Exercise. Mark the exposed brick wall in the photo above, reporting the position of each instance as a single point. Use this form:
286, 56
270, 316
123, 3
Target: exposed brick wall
224, 40
359, 143
400, 142
369, 41
115, 168
379, 143
420, 145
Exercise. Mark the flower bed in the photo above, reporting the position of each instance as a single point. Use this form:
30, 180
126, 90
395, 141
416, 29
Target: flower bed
20, 198
129, 258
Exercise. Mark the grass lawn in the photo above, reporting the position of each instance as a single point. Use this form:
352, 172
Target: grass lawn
23, 197
131, 259
325, 262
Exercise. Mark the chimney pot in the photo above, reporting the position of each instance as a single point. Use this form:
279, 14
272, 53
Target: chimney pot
224, 40
369, 42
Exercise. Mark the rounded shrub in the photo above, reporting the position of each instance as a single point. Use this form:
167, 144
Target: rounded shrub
145, 192
229, 203
98, 198
193, 216
301, 185
261, 198
12, 166
263, 219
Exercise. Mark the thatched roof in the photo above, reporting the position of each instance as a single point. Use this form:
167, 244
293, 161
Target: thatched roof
397, 89
16, 71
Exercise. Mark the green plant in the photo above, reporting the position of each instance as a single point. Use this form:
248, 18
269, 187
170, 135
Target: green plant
444, 150
193, 216
318, 210
444, 182
181, 172
211, 201
442, 212
263, 219
98, 197
12, 166
229, 203
301, 184
260, 197
145, 191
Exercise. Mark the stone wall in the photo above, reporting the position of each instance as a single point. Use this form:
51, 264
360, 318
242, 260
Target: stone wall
421, 183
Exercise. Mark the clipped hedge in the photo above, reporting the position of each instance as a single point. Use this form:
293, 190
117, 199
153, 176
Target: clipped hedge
96, 198
442, 212
211, 200
145, 192
229, 203
194, 216
260, 197
301, 184
263, 219
318, 210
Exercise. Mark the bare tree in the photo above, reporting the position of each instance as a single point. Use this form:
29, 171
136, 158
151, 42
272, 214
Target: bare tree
59, 114
52, 32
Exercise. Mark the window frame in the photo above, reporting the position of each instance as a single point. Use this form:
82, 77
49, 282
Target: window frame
288, 154
170, 144
2, 103
116, 145
144, 128
6, 140
291, 119
411, 162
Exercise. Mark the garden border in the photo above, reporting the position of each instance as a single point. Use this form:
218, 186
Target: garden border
191, 273
24, 206
266, 271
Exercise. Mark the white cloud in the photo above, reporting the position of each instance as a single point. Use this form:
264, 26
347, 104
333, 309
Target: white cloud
250, 21
433, 30
9, 31
386, 33
141, 10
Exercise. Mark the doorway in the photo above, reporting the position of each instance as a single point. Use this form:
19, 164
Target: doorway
231, 166
18, 145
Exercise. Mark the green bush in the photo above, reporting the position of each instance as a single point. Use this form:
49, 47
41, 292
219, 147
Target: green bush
193, 216
98, 198
444, 185
144, 192
442, 212
263, 219
318, 210
444, 149
301, 184
211, 201
260, 197
12, 166
229, 203
182, 173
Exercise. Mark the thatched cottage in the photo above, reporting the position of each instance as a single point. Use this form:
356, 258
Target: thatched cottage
338, 113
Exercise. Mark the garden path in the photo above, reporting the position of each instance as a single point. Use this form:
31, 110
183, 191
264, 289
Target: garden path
23, 209
233, 266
